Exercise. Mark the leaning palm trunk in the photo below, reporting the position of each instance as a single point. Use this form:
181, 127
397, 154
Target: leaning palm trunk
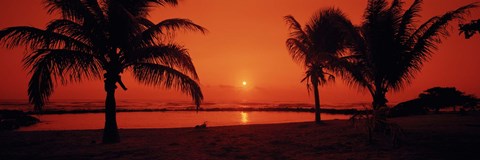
380, 108
317, 101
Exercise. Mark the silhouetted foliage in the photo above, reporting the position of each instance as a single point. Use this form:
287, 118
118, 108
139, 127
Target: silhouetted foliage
366, 120
435, 99
392, 48
445, 97
101, 40
470, 102
408, 108
470, 29
13, 119
319, 46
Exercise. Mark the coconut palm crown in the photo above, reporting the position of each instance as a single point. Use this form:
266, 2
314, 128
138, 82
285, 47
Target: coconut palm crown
318, 47
100, 40
392, 48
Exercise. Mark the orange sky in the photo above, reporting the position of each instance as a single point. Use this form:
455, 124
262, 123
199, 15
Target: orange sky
246, 43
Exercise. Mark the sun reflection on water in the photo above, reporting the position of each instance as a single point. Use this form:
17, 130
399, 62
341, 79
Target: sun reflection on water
244, 117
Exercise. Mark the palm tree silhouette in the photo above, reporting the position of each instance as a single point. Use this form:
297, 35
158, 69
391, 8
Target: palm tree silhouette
392, 49
319, 48
105, 37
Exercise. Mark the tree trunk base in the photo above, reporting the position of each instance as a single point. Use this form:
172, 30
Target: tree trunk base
111, 137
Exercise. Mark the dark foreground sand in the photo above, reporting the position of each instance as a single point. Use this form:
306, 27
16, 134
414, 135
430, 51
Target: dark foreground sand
446, 136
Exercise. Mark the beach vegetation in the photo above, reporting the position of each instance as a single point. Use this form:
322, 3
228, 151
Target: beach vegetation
14, 119
435, 99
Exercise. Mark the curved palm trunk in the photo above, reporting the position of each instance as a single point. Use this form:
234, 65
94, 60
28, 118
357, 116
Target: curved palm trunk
379, 101
317, 102
379, 98
110, 132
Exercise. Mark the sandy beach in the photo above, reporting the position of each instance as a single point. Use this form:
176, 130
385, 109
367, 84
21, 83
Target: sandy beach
444, 136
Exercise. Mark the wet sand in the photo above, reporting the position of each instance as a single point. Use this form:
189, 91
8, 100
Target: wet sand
445, 136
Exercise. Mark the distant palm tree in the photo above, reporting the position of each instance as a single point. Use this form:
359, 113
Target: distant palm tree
393, 49
319, 48
470, 29
105, 37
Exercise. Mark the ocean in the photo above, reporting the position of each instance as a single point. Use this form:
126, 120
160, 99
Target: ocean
88, 106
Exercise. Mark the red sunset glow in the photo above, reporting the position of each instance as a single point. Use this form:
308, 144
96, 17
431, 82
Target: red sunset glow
246, 42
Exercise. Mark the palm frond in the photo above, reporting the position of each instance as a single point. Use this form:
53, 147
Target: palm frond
140, 8
91, 35
52, 65
325, 78
75, 10
165, 2
406, 26
65, 65
171, 55
40, 86
296, 30
469, 29
375, 9
396, 6
146, 23
71, 29
328, 30
95, 7
297, 50
164, 76
431, 33
38, 38
355, 73
423, 41
307, 79
152, 33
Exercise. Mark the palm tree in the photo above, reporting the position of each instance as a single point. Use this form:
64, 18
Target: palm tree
319, 48
105, 37
393, 49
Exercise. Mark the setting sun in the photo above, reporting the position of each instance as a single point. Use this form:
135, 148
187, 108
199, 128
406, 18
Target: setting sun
244, 83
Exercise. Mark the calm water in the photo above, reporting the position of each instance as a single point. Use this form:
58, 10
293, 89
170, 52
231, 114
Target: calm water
139, 105
179, 119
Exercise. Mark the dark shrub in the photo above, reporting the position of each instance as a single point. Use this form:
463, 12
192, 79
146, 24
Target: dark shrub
408, 108
13, 119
